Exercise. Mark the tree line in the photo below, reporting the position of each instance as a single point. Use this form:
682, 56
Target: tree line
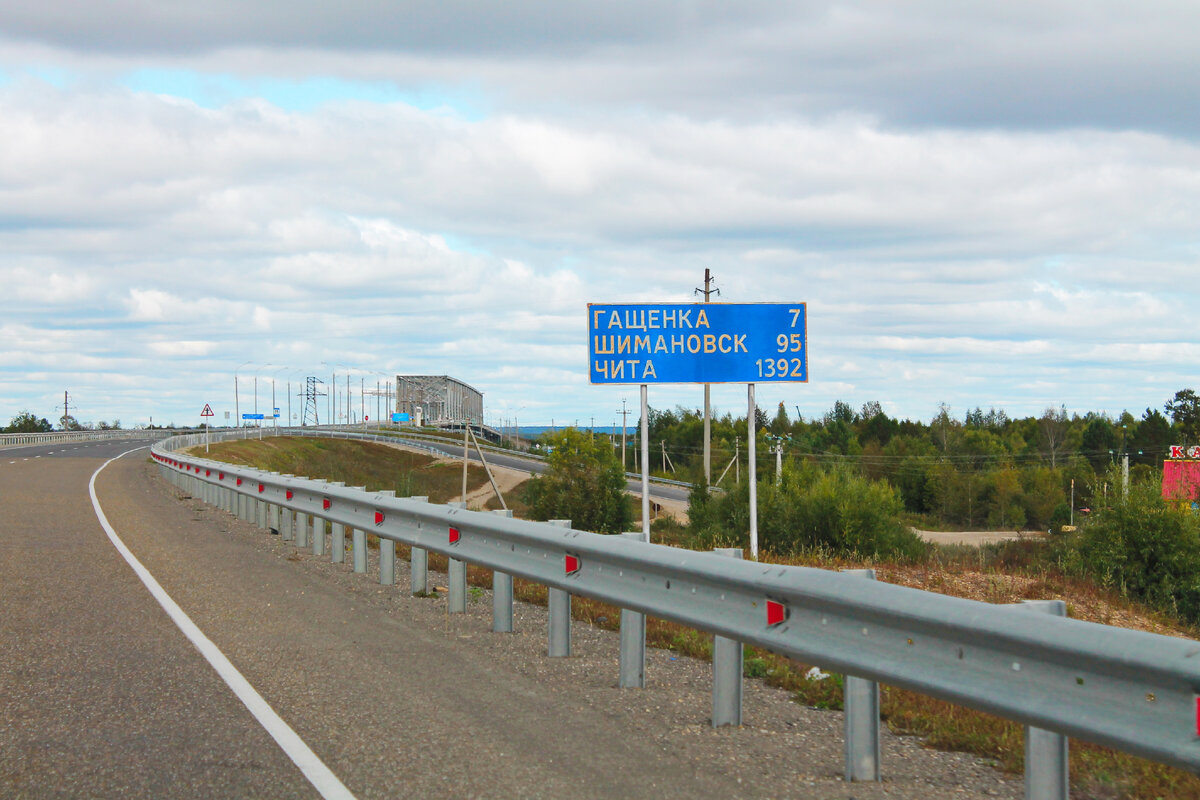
28, 422
980, 469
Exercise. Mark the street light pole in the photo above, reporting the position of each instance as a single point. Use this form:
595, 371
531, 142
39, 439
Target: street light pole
237, 409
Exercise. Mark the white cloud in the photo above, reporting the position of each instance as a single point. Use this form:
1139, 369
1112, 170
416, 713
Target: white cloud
181, 349
839, 154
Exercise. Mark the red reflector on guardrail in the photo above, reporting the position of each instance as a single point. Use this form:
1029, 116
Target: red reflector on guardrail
289, 494
572, 564
208, 473
454, 535
239, 483
378, 517
326, 503
776, 612
261, 488
221, 476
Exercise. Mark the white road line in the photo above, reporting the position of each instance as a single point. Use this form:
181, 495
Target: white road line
319, 775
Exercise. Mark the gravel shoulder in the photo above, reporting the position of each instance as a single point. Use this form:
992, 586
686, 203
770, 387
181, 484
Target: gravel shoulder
399, 697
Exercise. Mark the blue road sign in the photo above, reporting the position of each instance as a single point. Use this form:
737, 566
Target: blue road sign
252, 416
396, 417
697, 343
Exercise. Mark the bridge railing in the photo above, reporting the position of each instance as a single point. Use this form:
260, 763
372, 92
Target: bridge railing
1133, 691
54, 437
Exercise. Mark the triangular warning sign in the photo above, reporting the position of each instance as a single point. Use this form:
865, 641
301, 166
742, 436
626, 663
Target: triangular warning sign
207, 412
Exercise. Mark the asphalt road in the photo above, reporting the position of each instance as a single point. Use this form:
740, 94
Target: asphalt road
101, 694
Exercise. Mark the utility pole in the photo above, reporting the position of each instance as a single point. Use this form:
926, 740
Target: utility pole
737, 464
777, 449
707, 291
624, 412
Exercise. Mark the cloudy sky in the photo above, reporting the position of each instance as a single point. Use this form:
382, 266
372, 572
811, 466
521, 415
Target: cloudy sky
982, 204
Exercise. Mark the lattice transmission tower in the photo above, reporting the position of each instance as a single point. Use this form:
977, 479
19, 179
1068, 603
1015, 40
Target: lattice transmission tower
312, 390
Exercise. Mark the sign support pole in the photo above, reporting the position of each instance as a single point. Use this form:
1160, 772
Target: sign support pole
753, 474
466, 454
646, 462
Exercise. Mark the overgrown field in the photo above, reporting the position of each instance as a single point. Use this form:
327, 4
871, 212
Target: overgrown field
1002, 573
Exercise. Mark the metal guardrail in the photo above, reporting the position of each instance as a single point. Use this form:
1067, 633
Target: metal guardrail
53, 437
1133, 691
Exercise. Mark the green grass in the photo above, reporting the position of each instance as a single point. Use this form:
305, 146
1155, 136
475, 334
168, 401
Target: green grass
376, 466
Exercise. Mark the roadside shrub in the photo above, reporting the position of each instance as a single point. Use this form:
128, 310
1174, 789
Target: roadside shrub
1144, 547
584, 483
836, 511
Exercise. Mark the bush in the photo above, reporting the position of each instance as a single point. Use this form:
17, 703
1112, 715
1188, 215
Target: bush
838, 511
1144, 547
584, 483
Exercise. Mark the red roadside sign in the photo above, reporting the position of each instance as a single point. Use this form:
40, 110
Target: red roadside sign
207, 412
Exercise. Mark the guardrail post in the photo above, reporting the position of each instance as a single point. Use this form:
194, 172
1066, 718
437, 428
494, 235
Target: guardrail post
337, 535
387, 556
301, 529
502, 596
358, 546
318, 535
631, 668
456, 579
260, 513
727, 670
860, 700
276, 513
419, 562
559, 633
287, 524
1047, 773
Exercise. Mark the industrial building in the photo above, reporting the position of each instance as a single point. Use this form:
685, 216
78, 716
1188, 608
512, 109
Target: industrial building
438, 400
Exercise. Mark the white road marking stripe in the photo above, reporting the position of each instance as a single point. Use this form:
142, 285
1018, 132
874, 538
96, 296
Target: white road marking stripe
319, 775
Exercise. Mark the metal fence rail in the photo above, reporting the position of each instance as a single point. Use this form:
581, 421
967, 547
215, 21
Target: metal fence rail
53, 437
1130, 690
